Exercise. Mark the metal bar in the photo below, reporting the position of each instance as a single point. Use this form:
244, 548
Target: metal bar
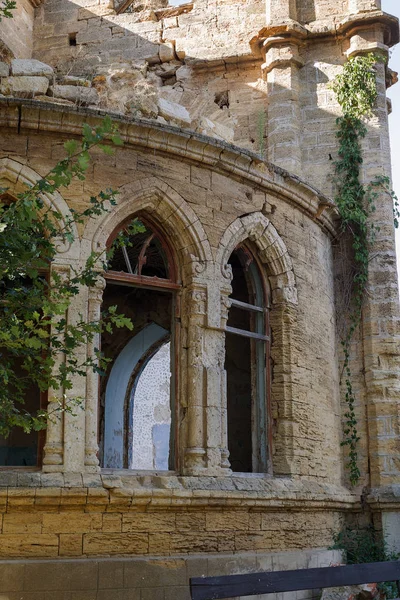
249, 334
143, 280
246, 306
232, 586
128, 262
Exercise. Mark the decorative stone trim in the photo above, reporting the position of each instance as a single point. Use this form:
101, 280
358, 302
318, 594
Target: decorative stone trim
125, 490
308, 33
224, 158
272, 251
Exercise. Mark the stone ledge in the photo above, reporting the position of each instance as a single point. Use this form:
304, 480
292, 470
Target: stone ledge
317, 29
34, 490
386, 498
225, 158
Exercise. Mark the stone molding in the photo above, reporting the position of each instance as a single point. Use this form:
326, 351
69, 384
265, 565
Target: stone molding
125, 491
224, 158
272, 251
292, 30
157, 198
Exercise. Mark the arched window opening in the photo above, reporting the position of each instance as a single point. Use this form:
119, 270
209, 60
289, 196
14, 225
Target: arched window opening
19, 448
150, 413
138, 391
247, 366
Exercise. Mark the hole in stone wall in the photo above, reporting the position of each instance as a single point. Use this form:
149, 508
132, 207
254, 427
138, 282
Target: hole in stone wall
72, 39
222, 99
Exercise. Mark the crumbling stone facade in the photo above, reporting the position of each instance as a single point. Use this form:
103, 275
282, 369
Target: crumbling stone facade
228, 122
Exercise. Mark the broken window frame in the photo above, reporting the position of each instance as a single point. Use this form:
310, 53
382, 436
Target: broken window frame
260, 340
172, 285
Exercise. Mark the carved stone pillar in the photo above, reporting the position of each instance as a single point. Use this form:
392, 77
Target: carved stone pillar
53, 458
225, 305
195, 303
283, 62
74, 420
92, 383
206, 446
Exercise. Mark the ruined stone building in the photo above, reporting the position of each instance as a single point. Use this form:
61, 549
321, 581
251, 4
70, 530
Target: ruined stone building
213, 444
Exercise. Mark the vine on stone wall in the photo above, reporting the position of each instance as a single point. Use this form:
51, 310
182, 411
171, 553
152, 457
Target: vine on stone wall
356, 92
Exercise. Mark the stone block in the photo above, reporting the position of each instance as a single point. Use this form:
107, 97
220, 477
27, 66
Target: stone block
24, 86
173, 111
111, 575
36, 576
31, 67
76, 93
167, 52
71, 544
84, 575
4, 69
72, 522
11, 577
115, 543
22, 523
149, 522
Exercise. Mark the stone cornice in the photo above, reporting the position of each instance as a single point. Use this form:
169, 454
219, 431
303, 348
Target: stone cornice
321, 29
242, 165
385, 498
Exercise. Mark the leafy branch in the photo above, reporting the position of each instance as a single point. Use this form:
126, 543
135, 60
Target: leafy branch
39, 347
6, 8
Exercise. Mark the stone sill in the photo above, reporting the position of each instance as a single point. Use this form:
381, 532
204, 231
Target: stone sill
30, 490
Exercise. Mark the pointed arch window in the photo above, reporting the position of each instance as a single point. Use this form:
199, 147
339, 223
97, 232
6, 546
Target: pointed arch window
247, 365
138, 392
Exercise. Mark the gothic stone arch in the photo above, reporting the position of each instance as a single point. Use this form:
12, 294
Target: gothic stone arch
283, 317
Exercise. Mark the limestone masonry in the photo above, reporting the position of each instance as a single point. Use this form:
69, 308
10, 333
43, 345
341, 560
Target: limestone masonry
228, 121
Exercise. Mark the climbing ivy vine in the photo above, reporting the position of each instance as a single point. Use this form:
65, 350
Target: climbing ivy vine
356, 92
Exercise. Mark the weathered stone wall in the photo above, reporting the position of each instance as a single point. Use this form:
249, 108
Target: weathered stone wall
260, 81
142, 579
70, 515
17, 33
306, 419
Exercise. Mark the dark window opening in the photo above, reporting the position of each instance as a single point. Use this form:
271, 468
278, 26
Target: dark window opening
137, 408
19, 448
246, 364
72, 39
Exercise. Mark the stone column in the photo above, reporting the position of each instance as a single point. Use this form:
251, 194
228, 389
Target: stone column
206, 444
92, 384
381, 314
75, 398
281, 69
195, 300
53, 458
